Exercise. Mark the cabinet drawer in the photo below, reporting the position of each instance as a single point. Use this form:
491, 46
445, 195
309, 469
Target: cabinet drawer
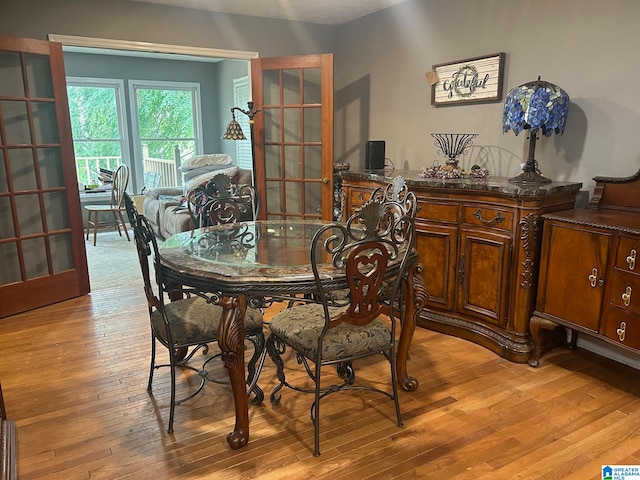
359, 196
487, 216
625, 291
622, 328
627, 255
438, 212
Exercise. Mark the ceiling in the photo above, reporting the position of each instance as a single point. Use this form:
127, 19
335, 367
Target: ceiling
326, 12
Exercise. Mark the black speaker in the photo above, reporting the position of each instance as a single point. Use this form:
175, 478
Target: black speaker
374, 155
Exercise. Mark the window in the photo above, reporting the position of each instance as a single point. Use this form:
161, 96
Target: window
244, 158
166, 125
96, 108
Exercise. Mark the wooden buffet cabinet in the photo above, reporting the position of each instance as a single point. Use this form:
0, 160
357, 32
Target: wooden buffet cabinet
590, 269
479, 245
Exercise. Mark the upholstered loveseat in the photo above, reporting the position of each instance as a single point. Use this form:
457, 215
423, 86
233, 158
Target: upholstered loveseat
164, 206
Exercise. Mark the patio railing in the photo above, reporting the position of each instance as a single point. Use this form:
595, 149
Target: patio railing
158, 172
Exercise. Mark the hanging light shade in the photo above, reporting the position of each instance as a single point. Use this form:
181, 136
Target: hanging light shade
535, 106
234, 131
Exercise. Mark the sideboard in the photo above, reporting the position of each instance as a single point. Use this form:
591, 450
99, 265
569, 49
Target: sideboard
479, 244
590, 270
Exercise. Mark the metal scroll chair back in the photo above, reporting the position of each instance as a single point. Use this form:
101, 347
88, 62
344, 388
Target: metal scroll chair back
368, 254
220, 201
240, 206
398, 191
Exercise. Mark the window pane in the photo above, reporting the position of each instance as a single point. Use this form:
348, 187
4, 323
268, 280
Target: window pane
313, 198
45, 126
38, 75
51, 173
292, 162
35, 257
15, 122
291, 87
10, 271
22, 169
95, 124
312, 90
273, 196
11, 84
93, 111
292, 125
165, 113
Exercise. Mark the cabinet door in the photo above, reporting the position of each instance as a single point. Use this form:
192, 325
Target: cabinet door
572, 273
482, 275
436, 245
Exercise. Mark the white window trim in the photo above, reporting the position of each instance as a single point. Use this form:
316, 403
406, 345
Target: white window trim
241, 95
133, 105
118, 85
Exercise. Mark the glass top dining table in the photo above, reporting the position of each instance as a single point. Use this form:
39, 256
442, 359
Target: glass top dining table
242, 264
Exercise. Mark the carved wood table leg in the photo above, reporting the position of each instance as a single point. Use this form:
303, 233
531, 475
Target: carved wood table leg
230, 340
535, 325
415, 299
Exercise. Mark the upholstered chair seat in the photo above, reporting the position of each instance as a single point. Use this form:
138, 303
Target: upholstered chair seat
192, 319
301, 326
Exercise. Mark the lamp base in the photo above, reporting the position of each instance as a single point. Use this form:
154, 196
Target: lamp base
530, 177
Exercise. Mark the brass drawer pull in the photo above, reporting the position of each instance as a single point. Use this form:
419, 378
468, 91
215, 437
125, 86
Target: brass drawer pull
626, 297
360, 196
593, 278
631, 259
622, 331
499, 218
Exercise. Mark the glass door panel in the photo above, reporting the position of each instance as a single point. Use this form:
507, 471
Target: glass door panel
41, 232
294, 135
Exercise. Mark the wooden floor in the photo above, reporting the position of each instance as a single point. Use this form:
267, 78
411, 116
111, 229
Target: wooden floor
74, 378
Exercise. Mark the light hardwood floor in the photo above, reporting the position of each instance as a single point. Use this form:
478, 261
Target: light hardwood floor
74, 377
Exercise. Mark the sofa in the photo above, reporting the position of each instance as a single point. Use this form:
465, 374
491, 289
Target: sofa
164, 207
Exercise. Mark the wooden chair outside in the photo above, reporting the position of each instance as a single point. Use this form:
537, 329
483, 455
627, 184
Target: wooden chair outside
323, 332
115, 208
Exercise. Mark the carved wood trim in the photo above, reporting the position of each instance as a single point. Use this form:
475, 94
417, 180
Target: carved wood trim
529, 237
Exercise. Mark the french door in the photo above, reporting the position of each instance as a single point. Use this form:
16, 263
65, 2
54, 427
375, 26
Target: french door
294, 135
42, 250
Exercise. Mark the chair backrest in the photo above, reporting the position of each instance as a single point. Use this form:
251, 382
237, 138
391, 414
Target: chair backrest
220, 201
120, 181
146, 245
397, 191
372, 249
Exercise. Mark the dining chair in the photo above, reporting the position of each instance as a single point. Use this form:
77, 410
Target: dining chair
221, 201
120, 181
184, 323
369, 254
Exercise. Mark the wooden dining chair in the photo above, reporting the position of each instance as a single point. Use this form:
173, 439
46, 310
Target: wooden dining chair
370, 254
185, 323
115, 208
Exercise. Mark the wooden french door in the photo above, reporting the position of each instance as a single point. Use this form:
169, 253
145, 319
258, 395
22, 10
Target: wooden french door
293, 135
42, 250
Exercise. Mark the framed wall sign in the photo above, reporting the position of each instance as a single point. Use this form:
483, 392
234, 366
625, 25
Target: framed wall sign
474, 80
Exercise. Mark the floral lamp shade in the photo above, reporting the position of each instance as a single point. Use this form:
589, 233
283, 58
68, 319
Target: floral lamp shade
535, 106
